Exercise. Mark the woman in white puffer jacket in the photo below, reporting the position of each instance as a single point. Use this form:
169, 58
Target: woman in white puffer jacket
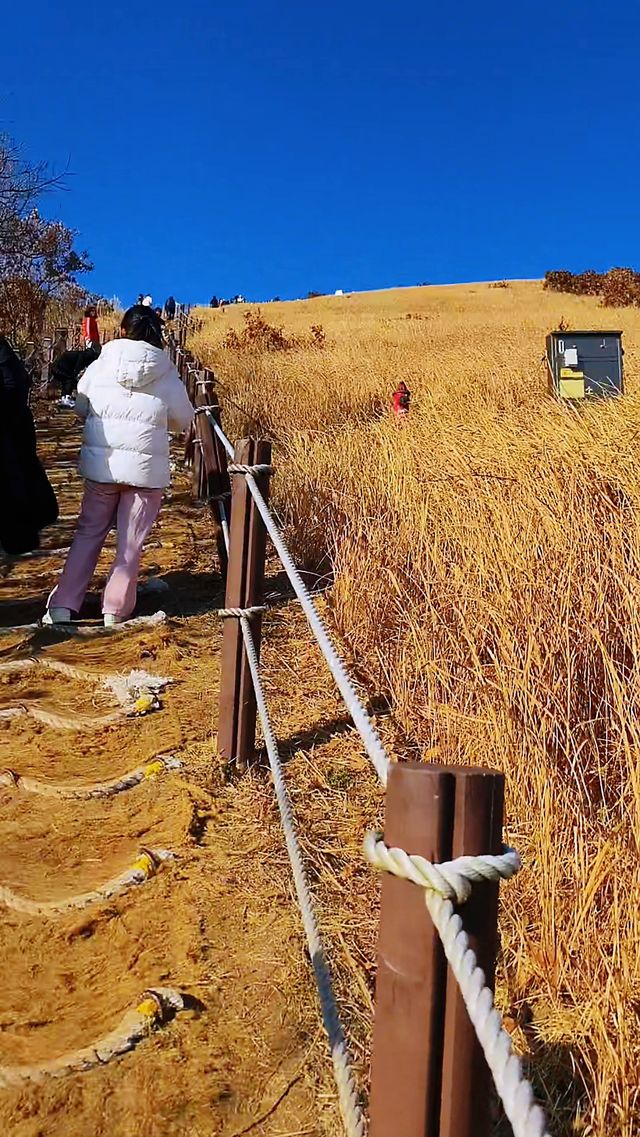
130, 399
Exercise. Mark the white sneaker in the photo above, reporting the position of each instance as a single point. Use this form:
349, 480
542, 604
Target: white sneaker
57, 616
111, 621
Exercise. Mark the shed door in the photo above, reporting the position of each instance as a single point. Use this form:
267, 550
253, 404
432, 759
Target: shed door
600, 361
599, 347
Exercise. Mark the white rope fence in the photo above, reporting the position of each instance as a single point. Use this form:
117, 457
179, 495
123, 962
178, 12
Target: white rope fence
347, 1092
350, 1111
444, 884
365, 727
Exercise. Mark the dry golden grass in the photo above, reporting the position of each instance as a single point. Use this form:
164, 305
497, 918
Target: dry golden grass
486, 564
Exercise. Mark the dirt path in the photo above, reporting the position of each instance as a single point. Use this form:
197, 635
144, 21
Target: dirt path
217, 922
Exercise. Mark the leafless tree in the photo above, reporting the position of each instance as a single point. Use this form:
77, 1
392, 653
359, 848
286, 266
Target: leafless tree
38, 262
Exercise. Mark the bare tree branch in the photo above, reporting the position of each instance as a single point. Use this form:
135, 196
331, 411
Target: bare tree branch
38, 261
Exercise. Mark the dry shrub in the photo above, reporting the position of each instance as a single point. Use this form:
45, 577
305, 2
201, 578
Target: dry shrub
559, 280
619, 288
486, 560
258, 335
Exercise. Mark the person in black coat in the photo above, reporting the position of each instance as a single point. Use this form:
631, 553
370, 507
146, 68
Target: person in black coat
68, 368
27, 501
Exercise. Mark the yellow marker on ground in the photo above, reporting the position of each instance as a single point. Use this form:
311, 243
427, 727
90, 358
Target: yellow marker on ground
144, 863
144, 703
148, 1008
153, 768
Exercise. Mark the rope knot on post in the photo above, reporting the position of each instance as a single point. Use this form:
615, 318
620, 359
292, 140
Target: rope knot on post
258, 468
242, 613
451, 883
453, 880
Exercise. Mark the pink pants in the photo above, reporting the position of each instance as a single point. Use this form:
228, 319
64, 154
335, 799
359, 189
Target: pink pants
133, 511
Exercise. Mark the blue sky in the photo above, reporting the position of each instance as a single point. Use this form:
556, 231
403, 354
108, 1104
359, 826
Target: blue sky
273, 148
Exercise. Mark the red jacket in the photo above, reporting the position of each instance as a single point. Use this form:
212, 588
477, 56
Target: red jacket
401, 402
90, 329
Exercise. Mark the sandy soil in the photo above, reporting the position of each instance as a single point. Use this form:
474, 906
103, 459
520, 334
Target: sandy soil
248, 1055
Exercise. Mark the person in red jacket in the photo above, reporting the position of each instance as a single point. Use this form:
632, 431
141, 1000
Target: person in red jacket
400, 401
90, 330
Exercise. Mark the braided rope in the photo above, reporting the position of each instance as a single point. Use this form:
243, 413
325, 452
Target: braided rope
145, 865
224, 523
347, 1092
443, 883
228, 445
9, 779
258, 468
61, 722
157, 1006
78, 630
36, 554
350, 1111
242, 613
152, 621
137, 694
451, 879
363, 723
365, 727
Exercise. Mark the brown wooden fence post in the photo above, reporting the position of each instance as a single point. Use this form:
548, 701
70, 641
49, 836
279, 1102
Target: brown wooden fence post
408, 1029
193, 453
192, 373
253, 596
229, 698
428, 1075
179, 361
210, 477
245, 579
466, 1080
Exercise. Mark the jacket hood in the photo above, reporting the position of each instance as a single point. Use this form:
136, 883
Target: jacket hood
133, 363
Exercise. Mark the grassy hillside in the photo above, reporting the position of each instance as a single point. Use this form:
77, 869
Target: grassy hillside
486, 559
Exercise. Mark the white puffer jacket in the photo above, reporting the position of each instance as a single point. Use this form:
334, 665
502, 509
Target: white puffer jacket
130, 399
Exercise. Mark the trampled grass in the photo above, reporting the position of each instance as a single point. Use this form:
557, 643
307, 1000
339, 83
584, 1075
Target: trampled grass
486, 564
